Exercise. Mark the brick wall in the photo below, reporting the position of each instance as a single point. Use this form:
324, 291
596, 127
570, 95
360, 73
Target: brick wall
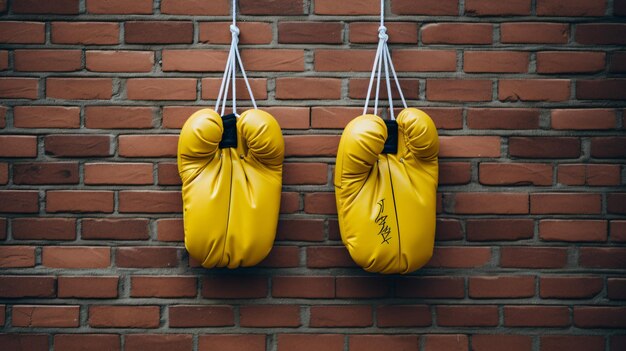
528, 96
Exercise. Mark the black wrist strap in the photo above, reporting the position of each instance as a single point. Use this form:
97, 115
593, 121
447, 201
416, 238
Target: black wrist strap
229, 136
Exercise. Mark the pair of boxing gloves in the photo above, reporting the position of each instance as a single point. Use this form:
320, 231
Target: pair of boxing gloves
385, 185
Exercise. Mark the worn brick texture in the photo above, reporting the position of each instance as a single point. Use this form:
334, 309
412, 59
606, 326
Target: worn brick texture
529, 97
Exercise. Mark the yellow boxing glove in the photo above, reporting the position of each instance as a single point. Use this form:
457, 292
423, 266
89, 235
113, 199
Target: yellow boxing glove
231, 170
387, 201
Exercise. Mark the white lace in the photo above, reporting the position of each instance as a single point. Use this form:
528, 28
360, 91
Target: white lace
230, 72
383, 58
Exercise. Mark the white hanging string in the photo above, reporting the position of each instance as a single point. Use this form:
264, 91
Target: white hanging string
230, 72
383, 58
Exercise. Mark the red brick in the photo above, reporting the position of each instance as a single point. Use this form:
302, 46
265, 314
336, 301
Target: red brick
493, 203
311, 145
16, 286
63, 342
320, 203
58, 7
618, 231
211, 87
106, 316
164, 287
572, 342
289, 202
493, 342
509, 118
344, 60
118, 173
551, 62
17, 256
46, 117
534, 33
45, 173
158, 342
282, 257
300, 230
573, 230
458, 90
168, 174
194, 60
85, 33
469, 146
340, 316
551, 90
410, 60
4, 173
118, 117
101, 287
457, 33
147, 257
282, 7
303, 287
425, 7
310, 32
4, 60
362, 287
22, 32
460, 257
544, 147
381, 342
569, 287
448, 229
150, 202
74, 257
232, 342
328, 257
308, 88
616, 203
583, 119
79, 201
565, 203
618, 62
467, 316
148, 145
515, 174
79, 88
158, 32
68, 145
616, 288
269, 316
533, 257
601, 34
445, 342
310, 342
600, 257
170, 229
607, 89
357, 89
44, 228
276, 60
25, 342
15, 201
430, 287
499, 229
497, 8
454, 173
33, 316
47, 60
305, 173
536, 316
390, 316
18, 146
608, 147
347, 7
445, 118
573, 8
600, 317
495, 61
502, 287
119, 61
192, 316
234, 287
19, 88
195, 7
250, 32
119, 7
399, 32
161, 88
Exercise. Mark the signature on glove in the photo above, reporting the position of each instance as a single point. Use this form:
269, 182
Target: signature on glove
381, 220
